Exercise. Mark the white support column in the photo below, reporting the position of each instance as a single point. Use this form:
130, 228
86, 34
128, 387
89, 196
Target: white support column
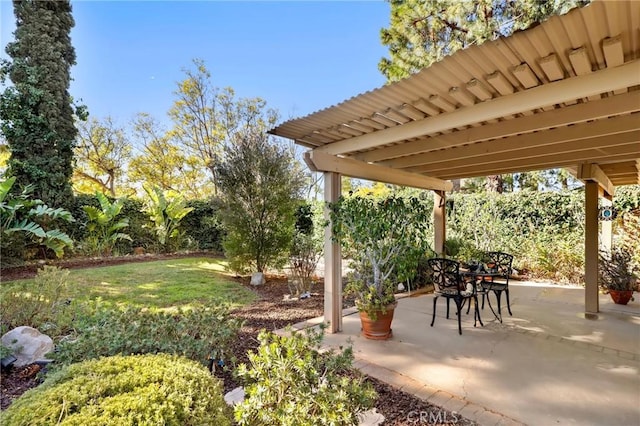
439, 222
591, 246
332, 260
606, 228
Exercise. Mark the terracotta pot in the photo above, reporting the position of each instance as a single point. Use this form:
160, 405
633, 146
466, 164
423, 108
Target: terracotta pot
380, 328
621, 297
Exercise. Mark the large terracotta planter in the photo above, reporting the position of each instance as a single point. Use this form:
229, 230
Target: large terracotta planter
380, 328
621, 297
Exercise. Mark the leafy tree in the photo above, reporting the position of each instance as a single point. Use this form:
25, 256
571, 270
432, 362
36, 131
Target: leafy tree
36, 113
101, 155
24, 220
166, 212
260, 184
163, 163
207, 118
103, 228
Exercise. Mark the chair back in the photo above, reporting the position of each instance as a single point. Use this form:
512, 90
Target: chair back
445, 274
501, 262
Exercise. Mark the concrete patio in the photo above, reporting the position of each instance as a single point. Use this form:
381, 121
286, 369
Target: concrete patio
547, 364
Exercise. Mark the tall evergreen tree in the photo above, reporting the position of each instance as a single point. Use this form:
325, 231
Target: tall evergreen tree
36, 111
424, 31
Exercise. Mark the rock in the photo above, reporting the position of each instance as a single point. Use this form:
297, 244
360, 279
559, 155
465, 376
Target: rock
400, 287
305, 295
28, 345
235, 396
370, 418
257, 278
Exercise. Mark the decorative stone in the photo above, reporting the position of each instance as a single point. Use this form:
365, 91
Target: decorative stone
370, 418
27, 344
235, 396
257, 278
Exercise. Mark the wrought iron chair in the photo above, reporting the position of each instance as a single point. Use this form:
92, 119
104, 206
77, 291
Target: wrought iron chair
498, 263
449, 284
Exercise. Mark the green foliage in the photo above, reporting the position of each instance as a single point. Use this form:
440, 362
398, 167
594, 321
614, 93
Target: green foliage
102, 227
289, 382
385, 238
24, 220
260, 184
166, 211
544, 230
203, 225
41, 304
139, 228
422, 32
124, 390
306, 249
36, 113
195, 333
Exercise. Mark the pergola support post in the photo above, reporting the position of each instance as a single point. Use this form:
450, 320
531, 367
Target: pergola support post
591, 247
606, 229
332, 260
439, 222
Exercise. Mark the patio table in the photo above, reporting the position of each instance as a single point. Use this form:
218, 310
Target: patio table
477, 278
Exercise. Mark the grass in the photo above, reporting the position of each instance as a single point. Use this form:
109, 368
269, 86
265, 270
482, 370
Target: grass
158, 284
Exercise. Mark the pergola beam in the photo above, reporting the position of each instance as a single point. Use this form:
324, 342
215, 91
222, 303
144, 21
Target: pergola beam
603, 81
320, 161
591, 172
593, 110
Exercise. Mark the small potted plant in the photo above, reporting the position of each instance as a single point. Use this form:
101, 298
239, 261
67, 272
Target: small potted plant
384, 239
617, 274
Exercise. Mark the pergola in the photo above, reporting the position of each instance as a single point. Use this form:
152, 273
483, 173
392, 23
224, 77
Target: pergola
562, 94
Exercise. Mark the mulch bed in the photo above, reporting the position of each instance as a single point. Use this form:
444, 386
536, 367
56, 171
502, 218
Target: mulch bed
268, 312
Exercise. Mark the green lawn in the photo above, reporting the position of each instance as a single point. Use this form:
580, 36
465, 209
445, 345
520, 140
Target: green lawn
159, 284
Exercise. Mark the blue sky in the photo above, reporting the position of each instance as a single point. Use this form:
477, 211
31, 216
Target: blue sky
299, 56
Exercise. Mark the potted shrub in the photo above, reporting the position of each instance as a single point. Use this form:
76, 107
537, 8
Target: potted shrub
617, 274
384, 239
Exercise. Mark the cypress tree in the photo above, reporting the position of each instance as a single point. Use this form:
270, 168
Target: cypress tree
36, 112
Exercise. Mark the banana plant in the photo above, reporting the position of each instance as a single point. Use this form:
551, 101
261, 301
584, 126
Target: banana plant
166, 214
103, 225
20, 214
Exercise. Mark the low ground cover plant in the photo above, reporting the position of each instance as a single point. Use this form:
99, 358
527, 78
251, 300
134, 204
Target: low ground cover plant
196, 333
290, 382
40, 303
124, 390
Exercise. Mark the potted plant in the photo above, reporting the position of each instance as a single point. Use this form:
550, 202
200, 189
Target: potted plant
384, 239
617, 274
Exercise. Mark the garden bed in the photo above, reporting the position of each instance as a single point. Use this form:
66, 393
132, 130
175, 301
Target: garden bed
268, 312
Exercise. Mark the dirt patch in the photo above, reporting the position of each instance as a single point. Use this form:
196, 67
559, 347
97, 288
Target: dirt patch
269, 312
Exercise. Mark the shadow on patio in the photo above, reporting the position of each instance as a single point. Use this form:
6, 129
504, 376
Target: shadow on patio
545, 365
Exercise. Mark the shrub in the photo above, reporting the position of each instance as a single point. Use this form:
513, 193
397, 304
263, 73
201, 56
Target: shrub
197, 333
41, 305
139, 228
130, 390
260, 184
291, 383
103, 226
166, 210
202, 225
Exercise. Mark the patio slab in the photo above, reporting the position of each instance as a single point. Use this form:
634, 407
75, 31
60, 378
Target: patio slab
547, 364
